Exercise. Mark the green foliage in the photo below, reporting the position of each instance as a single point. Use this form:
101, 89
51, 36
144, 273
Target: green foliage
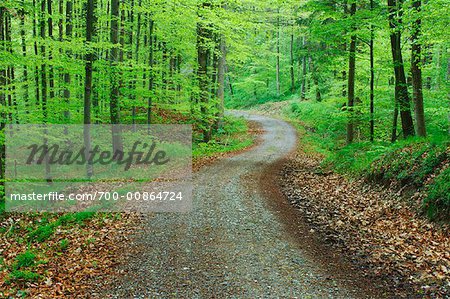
44, 231
437, 203
63, 245
25, 260
233, 136
23, 276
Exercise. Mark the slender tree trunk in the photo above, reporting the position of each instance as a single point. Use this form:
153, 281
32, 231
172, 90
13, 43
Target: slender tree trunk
10, 74
90, 28
67, 78
221, 82
36, 69
292, 62
416, 70
401, 87
203, 35
278, 54
51, 74
304, 69
115, 80
448, 92
372, 78
24, 55
151, 76
136, 57
2, 99
351, 82
43, 65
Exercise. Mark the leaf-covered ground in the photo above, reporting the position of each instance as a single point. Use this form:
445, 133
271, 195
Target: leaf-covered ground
56, 264
371, 225
53, 256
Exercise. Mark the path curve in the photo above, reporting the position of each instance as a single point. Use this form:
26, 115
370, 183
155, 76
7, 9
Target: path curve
233, 244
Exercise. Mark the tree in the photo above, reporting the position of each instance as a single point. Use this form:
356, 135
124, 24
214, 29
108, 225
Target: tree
351, 80
90, 29
203, 36
114, 105
372, 77
401, 88
416, 70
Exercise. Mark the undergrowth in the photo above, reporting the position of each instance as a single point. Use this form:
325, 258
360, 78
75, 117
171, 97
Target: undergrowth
422, 164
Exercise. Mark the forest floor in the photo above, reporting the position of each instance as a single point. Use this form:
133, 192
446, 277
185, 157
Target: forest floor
373, 226
53, 255
242, 239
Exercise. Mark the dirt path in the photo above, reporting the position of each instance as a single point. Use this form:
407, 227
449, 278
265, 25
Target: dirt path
235, 243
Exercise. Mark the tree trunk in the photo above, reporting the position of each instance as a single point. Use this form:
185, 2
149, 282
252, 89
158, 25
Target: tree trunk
90, 28
416, 70
24, 55
203, 36
115, 80
36, 69
221, 82
43, 65
2, 99
304, 69
448, 93
372, 78
51, 75
278, 55
67, 80
151, 77
351, 82
292, 62
401, 87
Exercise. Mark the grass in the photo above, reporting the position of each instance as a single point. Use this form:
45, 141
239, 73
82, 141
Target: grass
234, 136
420, 163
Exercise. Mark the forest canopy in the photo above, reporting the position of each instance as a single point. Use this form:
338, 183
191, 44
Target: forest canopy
381, 68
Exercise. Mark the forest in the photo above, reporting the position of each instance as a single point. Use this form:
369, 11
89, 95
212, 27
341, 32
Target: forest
365, 83
384, 65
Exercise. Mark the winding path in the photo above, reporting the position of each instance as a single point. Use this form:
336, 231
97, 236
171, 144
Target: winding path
234, 243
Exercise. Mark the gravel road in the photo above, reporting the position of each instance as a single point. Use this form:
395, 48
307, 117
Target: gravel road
234, 243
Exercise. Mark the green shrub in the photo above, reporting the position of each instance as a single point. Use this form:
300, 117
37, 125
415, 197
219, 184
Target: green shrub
64, 245
437, 203
42, 233
24, 260
23, 276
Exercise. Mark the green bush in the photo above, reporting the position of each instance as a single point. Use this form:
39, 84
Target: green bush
42, 233
24, 260
23, 275
437, 203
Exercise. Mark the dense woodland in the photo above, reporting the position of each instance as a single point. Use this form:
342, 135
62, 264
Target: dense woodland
379, 67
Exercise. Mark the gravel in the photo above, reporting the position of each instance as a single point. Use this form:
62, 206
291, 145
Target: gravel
232, 245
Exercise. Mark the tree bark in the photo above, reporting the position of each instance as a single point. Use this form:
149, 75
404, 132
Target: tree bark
278, 55
115, 80
351, 81
51, 75
90, 28
43, 65
2, 99
221, 82
67, 79
401, 87
151, 77
304, 70
203, 35
372, 78
416, 70
24, 55
292, 63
